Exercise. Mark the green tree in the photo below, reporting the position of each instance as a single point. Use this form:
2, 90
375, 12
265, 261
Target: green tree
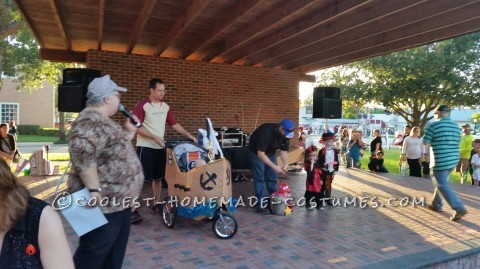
19, 54
413, 82
20, 59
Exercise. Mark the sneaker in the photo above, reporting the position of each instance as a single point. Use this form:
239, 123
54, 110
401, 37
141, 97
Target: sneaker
433, 208
263, 211
321, 208
310, 207
136, 218
458, 215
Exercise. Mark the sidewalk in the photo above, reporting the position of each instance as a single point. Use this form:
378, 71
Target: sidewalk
343, 236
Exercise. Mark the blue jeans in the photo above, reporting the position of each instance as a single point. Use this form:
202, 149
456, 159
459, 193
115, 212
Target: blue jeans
442, 187
352, 160
265, 179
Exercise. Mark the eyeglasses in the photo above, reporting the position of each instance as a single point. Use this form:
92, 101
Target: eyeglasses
164, 91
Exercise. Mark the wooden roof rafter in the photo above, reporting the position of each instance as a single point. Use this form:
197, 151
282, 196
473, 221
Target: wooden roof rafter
365, 32
29, 21
393, 42
322, 16
101, 21
190, 14
60, 24
141, 22
241, 8
322, 37
248, 33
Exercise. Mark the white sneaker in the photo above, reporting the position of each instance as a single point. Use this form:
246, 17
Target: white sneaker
310, 207
322, 208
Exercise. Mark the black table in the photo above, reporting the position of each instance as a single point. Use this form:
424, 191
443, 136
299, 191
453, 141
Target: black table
239, 158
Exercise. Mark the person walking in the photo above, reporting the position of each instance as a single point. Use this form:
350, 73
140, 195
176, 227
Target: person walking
153, 113
443, 138
264, 143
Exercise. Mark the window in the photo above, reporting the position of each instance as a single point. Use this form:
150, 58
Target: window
8, 112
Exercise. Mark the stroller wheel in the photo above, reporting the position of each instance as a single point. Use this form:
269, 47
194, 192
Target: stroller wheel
224, 226
169, 213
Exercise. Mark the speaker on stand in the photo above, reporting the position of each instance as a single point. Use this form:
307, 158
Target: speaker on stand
72, 92
327, 104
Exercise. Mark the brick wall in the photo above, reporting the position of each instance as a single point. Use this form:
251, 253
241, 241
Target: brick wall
36, 108
196, 90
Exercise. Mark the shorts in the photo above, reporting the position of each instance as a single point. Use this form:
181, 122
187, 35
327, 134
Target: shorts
153, 163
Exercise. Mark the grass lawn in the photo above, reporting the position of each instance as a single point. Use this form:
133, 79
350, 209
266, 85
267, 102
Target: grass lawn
391, 157
55, 157
36, 138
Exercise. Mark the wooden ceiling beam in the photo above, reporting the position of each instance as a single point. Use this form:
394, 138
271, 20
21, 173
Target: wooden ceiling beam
362, 21
330, 41
323, 15
240, 9
63, 56
60, 24
30, 23
141, 22
101, 21
193, 10
434, 35
261, 25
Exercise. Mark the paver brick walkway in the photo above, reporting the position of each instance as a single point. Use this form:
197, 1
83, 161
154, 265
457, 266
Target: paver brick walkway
388, 236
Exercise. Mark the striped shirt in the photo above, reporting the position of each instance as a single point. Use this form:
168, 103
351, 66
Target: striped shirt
444, 139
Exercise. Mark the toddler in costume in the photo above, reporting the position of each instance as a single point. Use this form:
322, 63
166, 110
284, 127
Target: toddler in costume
328, 162
314, 183
475, 163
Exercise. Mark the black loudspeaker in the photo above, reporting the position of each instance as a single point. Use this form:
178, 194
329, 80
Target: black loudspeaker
327, 103
79, 75
72, 98
72, 93
327, 92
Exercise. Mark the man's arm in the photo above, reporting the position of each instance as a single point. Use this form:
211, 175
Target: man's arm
262, 156
177, 127
146, 133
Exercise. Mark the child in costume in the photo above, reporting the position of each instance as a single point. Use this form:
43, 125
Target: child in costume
475, 164
314, 183
328, 161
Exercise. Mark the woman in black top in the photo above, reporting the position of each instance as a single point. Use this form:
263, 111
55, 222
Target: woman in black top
376, 143
31, 232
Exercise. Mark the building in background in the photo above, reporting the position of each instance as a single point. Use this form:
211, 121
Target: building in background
35, 108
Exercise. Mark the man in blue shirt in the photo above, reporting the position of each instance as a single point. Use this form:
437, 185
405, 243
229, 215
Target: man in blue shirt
443, 136
264, 143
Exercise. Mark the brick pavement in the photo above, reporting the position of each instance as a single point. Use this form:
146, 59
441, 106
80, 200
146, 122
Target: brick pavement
391, 236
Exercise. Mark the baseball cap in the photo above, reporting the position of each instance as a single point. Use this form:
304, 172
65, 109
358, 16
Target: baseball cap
103, 86
466, 125
441, 108
288, 128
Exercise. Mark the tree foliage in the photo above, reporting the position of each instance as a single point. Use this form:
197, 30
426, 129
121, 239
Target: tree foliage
19, 52
413, 82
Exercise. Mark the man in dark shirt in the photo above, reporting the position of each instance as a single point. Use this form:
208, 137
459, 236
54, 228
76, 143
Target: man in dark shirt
263, 144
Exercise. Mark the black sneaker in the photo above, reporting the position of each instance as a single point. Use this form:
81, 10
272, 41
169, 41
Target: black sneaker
433, 208
136, 218
458, 215
263, 211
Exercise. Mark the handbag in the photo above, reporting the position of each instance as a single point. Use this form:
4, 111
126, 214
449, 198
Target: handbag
404, 169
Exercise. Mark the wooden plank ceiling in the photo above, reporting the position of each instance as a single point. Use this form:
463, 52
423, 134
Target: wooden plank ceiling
301, 35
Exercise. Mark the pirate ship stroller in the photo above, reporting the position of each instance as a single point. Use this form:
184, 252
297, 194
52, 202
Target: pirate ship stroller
199, 187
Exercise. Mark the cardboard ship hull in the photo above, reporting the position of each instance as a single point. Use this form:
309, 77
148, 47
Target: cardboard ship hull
208, 182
